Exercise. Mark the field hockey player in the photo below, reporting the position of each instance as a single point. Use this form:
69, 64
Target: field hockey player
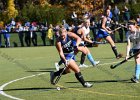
133, 35
66, 51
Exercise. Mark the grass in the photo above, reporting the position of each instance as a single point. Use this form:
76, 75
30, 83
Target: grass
23, 63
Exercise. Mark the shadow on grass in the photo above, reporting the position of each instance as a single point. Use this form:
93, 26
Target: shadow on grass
107, 81
39, 71
43, 70
40, 89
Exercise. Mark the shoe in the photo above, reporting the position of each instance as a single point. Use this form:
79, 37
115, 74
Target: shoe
52, 77
96, 63
119, 56
57, 66
83, 65
134, 80
88, 85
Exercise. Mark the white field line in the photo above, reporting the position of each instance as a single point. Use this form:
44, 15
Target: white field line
15, 98
4, 85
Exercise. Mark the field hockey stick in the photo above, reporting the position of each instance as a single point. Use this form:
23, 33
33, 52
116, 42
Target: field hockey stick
58, 77
116, 29
96, 42
118, 64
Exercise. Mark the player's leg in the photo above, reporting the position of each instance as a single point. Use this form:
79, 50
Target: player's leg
137, 68
73, 66
58, 64
90, 58
83, 57
111, 42
86, 51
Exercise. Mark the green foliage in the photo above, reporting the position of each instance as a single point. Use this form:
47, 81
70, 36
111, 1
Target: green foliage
38, 13
55, 15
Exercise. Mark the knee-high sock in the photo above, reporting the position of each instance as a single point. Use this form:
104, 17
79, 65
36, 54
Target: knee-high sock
137, 71
60, 71
115, 51
60, 62
90, 58
80, 78
83, 56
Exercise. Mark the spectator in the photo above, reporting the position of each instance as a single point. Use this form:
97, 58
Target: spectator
66, 26
74, 18
93, 28
27, 35
33, 30
116, 13
126, 14
109, 12
6, 35
20, 33
13, 23
50, 35
138, 19
43, 30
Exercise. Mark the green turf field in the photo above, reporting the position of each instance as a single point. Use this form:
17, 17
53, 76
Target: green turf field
24, 74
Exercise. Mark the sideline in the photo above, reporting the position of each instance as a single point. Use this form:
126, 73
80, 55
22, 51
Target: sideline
15, 98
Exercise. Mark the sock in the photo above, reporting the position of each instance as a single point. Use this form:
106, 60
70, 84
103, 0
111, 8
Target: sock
83, 56
80, 78
90, 58
137, 71
115, 51
60, 62
60, 71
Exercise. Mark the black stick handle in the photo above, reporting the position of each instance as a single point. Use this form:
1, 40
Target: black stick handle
118, 64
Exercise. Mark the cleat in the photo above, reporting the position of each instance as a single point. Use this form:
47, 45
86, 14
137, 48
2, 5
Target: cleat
96, 63
119, 56
83, 65
52, 77
57, 66
87, 85
134, 80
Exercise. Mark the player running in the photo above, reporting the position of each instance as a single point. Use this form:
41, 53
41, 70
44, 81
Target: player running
105, 31
83, 33
133, 35
66, 49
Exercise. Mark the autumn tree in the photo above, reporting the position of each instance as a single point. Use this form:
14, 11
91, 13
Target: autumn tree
11, 11
95, 7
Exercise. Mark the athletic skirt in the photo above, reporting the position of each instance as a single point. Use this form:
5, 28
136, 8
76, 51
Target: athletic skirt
102, 34
69, 56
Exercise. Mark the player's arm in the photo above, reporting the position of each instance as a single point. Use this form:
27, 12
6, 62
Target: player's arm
104, 25
60, 51
76, 37
84, 38
128, 47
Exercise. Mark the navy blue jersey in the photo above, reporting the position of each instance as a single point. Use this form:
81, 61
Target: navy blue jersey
108, 23
67, 45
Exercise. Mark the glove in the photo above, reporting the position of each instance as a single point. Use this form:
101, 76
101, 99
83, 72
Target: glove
66, 62
75, 50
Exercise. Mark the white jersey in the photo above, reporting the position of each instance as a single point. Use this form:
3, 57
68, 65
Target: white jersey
134, 38
86, 30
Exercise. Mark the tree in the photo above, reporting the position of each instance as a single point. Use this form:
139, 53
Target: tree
11, 11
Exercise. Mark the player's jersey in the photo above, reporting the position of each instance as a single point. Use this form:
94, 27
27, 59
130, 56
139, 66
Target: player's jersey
107, 24
134, 38
67, 45
86, 30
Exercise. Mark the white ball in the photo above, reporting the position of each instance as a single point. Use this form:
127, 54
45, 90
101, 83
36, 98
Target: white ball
58, 88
